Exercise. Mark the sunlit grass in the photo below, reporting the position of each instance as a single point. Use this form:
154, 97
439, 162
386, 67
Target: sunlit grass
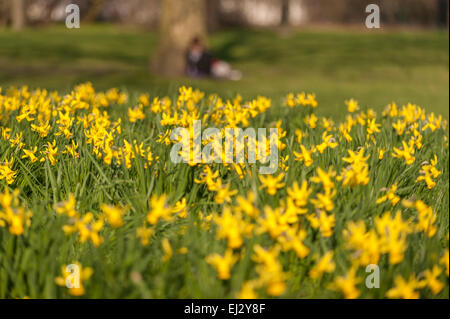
171, 231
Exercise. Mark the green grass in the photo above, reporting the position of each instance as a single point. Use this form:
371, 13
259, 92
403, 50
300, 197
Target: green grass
375, 67
124, 268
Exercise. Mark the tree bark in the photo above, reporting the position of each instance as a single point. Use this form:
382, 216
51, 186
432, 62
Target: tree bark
4, 13
18, 14
180, 22
443, 13
284, 12
212, 14
94, 10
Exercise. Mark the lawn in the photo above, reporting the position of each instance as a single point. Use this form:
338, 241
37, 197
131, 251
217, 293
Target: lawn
93, 203
375, 67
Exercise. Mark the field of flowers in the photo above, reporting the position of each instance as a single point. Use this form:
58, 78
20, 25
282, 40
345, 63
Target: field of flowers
86, 178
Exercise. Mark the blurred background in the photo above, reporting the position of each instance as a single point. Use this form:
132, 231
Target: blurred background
281, 46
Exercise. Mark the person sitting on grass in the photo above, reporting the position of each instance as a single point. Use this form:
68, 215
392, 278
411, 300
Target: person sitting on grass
200, 63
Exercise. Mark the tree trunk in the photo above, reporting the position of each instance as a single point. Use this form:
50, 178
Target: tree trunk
212, 14
443, 13
180, 22
4, 13
284, 12
17, 14
94, 10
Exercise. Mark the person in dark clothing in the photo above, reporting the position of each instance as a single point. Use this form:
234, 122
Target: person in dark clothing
198, 60
200, 63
